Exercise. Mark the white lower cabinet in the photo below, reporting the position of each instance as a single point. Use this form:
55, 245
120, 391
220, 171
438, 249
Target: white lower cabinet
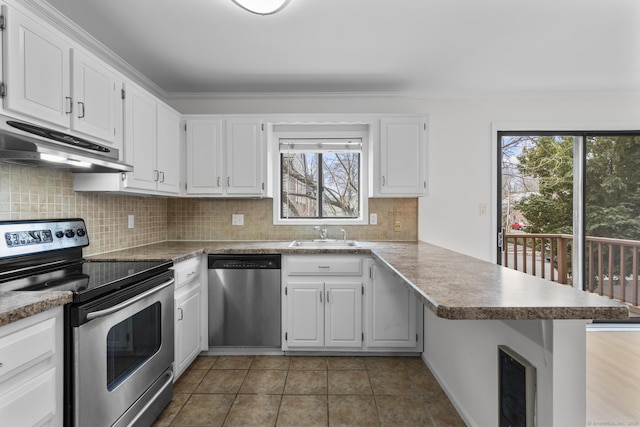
188, 327
31, 366
347, 303
393, 313
324, 314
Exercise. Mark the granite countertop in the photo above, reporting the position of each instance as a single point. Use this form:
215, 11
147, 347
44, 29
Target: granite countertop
452, 285
16, 305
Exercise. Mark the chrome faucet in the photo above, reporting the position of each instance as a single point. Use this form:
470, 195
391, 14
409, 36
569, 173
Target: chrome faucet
323, 231
344, 235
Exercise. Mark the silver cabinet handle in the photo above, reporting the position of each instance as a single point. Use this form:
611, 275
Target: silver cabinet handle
320, 297
181, 314
228, 181
191, 274
327, 299
1, 364
80, 116
384, 181
161, 176
127, 303
69, 104
218, 181
157, 175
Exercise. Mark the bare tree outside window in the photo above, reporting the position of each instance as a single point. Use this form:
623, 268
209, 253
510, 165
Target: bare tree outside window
320, 185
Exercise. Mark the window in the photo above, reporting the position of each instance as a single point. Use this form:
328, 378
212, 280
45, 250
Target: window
569, 205
321, 180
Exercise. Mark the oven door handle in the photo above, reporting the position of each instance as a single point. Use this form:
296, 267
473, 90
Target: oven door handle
127, 303
169, 374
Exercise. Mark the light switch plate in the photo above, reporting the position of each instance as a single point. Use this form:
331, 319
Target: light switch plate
237, 219
130, 221
373, 218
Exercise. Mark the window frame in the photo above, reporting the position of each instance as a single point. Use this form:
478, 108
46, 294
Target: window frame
338, 132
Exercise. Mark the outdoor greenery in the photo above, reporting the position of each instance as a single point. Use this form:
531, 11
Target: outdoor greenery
612, 196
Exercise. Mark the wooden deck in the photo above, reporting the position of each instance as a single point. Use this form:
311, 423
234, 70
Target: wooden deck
613, 377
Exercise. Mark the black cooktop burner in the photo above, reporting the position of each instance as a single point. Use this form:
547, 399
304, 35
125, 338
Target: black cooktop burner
89, 279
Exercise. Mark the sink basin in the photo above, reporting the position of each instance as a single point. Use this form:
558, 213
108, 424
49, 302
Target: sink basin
324, 243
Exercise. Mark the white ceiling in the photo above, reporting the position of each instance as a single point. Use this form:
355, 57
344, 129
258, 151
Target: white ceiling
417, 47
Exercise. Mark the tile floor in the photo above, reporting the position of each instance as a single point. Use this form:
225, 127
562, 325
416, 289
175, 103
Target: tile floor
308, 391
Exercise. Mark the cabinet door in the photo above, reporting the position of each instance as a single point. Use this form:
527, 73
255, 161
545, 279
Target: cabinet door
305, 314
168, 154
343, 314
402, 157
204, 156
97, 98
244, 165
140, 139
392, 311
187, 327
38, 72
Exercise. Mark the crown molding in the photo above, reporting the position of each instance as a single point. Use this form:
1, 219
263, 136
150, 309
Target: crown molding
76, 33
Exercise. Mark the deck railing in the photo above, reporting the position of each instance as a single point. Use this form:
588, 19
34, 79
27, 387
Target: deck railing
612, 265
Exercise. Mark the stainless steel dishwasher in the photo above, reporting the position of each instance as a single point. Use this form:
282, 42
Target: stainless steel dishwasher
244, 300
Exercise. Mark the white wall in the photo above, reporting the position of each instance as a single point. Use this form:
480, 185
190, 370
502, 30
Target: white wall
462, 146
463, 356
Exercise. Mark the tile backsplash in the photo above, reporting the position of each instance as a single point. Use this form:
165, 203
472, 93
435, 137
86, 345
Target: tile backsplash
210, 219
35, 193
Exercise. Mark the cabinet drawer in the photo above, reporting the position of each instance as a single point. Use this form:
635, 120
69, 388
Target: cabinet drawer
323, 265
25, 347
186, 271
31, 403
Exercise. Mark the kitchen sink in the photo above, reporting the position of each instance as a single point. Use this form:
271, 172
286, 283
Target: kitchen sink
324, 243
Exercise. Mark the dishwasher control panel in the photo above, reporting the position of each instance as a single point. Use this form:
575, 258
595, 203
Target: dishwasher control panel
245, 262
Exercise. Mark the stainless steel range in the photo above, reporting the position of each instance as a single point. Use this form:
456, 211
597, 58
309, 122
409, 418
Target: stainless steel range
118, 329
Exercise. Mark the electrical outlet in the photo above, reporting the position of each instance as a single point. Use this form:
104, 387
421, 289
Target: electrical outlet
237, 219
373, 218
130, 221
397, 225
483, 209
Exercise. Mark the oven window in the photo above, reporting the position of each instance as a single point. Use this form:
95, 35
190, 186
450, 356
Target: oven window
131, 343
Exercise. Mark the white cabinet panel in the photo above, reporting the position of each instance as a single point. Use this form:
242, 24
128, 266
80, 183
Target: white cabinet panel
244, 156
225, 157
305, 308
97, 99
140, 139
38, 70
343, 314
168, 150
204, 156
31, 366
401, 155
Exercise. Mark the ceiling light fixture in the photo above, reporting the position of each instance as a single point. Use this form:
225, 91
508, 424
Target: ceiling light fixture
262, 7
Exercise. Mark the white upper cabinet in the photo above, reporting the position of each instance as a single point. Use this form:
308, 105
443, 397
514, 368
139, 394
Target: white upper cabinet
140, 126
400, 159
49, 79
97, 98
152, 143
244, 157
168, 149
225, 157
204, 156
37, 65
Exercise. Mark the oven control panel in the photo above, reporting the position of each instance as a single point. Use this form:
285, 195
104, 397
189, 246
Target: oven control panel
33, 236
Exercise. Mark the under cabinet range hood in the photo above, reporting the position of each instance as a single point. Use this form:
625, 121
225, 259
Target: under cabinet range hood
26, 144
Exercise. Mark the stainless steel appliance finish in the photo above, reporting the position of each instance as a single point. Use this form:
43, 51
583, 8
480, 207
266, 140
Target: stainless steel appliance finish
27, 144
244, 301
120, 346
118, 328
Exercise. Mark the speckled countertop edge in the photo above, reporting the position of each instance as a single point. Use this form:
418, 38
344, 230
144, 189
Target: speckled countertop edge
16, 305
452, 285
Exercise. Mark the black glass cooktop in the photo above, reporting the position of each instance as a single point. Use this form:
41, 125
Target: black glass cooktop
90, 279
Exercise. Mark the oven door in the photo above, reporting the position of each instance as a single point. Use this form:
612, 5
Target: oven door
122, 349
